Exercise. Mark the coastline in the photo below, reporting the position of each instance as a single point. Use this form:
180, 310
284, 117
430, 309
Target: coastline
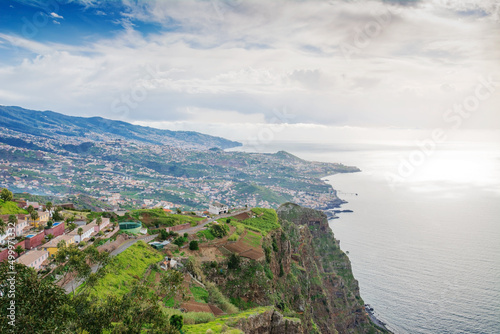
331, 212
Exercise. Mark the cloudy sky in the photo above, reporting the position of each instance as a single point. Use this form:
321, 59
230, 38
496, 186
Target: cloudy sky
217, 64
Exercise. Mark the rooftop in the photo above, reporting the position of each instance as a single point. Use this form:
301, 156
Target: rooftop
56, 240
31, 256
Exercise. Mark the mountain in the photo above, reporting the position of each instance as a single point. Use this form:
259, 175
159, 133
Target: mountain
53, 125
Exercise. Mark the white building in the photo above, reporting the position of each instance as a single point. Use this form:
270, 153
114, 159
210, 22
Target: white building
34, 259
217, 208
87, 232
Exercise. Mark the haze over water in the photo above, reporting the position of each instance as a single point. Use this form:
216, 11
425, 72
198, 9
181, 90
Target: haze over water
426, 252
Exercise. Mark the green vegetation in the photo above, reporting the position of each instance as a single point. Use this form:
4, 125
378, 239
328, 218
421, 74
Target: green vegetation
206, 234
253, 239
158, 217
265, 220
233, 237
224, 324
219, 230
200, 294
193, 245
125, 268
10, 208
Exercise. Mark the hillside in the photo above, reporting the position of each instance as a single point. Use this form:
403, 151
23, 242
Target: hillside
55, 125
10, 208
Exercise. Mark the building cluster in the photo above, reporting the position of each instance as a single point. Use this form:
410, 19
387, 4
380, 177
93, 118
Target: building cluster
39, 240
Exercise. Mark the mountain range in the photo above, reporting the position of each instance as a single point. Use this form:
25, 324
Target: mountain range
55, 125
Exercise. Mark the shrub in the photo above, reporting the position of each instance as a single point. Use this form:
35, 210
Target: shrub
233, 237
193, 245
179, 241
215, 296
186, 235
177, 321
219, 230
234, 261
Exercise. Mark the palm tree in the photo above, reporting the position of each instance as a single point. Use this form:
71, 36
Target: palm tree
30, 209
19, 250
48, 206
99, 222
50, 236
34, 215
80, 232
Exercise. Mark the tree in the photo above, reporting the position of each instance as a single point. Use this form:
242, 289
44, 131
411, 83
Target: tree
3, 226
51, 236
171, 284
80, 232
50, 223
179, 241
234, 261
6, 195
193, 245
178, 210
177, 321
34, 215
12, 220
19, 250
57, 216
219, 230
41, 306
30, 209
186, 235
48, 206
99, 222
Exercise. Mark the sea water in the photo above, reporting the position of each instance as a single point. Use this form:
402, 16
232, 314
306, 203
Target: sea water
425, 249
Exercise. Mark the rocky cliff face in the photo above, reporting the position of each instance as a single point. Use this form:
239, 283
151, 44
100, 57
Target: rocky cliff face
324, 288
305, 274
270, 322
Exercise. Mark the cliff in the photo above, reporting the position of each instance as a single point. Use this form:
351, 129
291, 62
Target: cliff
304, 275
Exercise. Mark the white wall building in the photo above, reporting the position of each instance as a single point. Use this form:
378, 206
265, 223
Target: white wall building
34, 258
87, 232
217, 208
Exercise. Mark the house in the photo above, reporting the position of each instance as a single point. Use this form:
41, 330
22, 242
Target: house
217, 208
87, 232
35, 205
34, 259
51, 246
22, 223
43, 218
104, 224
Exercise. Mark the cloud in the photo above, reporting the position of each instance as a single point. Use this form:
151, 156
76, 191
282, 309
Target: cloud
55, 15
247, 59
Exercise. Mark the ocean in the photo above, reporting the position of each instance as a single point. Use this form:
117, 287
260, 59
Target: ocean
425, 248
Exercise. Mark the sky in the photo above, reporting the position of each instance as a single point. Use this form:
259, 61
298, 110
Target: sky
221, 67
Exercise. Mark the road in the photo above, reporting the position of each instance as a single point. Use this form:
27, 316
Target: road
73, 284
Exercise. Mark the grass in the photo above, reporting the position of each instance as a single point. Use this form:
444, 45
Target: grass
218, 324
265, 220
253, 239
200, 294
10, 208
125, 268
205, 234
153, 217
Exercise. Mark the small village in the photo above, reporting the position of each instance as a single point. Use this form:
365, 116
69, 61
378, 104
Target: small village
34, 240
